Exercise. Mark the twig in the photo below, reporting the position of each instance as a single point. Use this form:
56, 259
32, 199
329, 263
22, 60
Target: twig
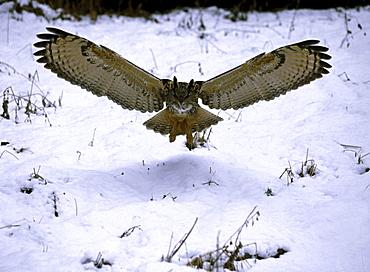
189, 61
348, 32
45, 248
5, 113
250, 217
46, 117
93, 138
239, 118
99, 261
290, 174
9, 66
232, 116
210, 182
27, 45
28, 77
223, 256
2, 153
291, 27
9, 226
129, 231
361, 157
345, 75
55, 198
7, 29
353, 149
60, 99
76, 206
180, 243
155, 63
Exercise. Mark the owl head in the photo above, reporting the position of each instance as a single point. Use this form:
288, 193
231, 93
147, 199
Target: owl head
181, 91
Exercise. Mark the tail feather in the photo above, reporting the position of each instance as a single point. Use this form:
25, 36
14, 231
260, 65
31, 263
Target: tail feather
159, 123
164, 122
204, 119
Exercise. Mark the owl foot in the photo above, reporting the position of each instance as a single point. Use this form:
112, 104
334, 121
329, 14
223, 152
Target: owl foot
191, 146
172, 137
190, 143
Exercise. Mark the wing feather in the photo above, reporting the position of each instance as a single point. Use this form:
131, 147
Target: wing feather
99, 70
266, 76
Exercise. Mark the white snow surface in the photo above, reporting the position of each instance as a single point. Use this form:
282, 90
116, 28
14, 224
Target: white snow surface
106, 174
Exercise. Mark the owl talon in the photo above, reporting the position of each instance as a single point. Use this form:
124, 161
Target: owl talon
191, 145
190, 141
172, 138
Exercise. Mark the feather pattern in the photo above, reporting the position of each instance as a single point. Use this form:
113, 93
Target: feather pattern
100, 71
266, 76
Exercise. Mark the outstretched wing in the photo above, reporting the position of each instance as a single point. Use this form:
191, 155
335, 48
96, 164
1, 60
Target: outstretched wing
266, 76
100, 71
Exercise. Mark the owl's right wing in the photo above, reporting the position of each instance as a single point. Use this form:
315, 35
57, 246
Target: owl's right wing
99, 70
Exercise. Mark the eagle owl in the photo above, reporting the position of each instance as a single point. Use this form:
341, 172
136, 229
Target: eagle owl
105, 73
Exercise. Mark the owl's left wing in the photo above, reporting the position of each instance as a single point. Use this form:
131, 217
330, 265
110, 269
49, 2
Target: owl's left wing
99, 70
266, 76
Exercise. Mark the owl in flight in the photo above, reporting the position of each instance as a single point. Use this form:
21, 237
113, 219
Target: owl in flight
105, 73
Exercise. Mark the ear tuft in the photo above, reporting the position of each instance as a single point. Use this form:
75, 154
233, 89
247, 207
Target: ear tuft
191, 84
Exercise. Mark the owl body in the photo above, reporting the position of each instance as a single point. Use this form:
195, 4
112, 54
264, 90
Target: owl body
105, 73
183, 115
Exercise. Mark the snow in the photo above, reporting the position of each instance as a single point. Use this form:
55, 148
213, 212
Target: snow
95, 166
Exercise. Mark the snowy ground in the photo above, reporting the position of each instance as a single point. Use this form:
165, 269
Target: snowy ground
74, 182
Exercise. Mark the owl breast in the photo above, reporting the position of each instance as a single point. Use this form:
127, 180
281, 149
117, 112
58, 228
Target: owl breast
182, 109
